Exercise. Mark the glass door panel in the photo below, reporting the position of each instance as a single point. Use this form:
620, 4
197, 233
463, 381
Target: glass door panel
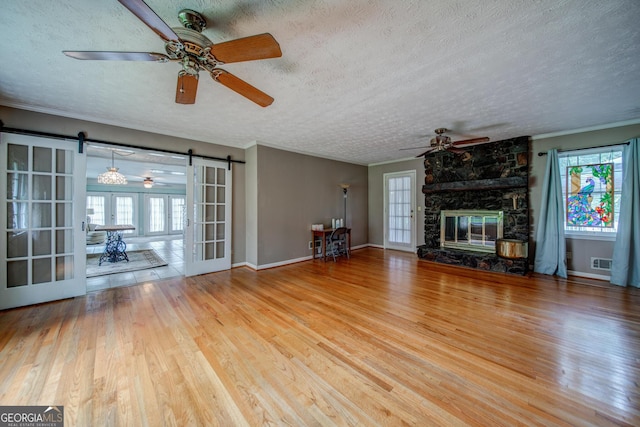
97, 204
399, 210
177, 214
123, 211
157, 214
41, 250
208, 233
112, 209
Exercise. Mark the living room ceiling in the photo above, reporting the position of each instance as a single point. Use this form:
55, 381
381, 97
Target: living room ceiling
358, 80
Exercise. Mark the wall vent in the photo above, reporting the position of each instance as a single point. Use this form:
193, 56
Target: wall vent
601, 264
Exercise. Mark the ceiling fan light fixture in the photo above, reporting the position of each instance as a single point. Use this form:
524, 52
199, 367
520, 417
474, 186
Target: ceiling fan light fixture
112, 176
148, 182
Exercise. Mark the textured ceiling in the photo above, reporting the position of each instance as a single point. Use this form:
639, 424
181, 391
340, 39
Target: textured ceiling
358, 79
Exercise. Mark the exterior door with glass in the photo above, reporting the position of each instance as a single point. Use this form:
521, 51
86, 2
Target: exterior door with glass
177, 212
156, 214
123, 211
208, 232
113, 209
399, 209
42, 242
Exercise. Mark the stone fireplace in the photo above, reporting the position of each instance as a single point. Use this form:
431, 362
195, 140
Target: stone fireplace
472, 199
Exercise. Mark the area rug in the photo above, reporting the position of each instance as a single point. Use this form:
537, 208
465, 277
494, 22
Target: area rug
138, 260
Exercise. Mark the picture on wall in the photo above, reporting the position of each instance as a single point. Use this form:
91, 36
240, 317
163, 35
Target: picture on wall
590, 195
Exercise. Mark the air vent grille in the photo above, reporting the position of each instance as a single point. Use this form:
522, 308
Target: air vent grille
601, 264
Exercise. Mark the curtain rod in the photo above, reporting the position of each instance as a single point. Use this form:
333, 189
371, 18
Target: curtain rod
544, 153
81, 137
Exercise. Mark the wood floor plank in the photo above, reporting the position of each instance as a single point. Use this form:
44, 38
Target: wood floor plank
380, 339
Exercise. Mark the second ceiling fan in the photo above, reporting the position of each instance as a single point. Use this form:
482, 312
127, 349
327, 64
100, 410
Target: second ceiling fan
442, 142
195, 53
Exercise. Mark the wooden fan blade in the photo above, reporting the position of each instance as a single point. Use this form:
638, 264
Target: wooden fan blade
186, 89
431, 149
413, 148
117, 56
149, 17
250, 48
242, 87
469, 142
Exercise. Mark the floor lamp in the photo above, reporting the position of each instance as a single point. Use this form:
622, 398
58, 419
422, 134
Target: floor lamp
345, 187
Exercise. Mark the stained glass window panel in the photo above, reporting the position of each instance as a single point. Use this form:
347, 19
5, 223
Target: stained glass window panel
590, 195
592, 180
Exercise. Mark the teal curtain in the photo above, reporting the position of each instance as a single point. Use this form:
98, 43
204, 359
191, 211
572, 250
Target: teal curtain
625, 267
551, 247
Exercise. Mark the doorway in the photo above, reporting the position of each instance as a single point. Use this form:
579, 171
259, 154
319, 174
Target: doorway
160, 184
399, 211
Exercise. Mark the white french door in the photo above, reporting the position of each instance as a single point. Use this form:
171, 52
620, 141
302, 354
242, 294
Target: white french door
208, 232
123, 210
399, 209
42, 242
164, 214
156, 214
177, 214
113, 209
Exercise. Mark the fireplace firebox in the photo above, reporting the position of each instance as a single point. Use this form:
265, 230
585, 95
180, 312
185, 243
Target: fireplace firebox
472, 230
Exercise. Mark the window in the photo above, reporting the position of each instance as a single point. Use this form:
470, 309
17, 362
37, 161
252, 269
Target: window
591, 188
97, 204
124, 210
177, 213
157, 214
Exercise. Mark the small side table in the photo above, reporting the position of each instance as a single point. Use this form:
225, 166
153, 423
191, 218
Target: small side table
323, 234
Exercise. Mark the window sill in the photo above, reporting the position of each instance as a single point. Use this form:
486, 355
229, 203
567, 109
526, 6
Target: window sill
598, 237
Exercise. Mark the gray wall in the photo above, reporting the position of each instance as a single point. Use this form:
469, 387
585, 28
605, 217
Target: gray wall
16, 118
295, 191
376, 198
251, 204
581, 249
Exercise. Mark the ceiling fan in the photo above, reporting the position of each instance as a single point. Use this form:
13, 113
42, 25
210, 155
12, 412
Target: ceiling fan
442, 142
195, 53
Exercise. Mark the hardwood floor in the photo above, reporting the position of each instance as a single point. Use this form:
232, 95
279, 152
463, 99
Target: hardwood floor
381, 339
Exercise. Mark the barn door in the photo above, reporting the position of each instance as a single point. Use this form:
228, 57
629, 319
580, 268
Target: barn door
42, 241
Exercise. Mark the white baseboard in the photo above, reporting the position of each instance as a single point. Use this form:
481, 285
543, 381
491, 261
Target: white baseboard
588, 275
288, 261
241, 264
366, 245
281, 263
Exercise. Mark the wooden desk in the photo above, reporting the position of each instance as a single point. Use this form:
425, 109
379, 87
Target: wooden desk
323, 235
115, 248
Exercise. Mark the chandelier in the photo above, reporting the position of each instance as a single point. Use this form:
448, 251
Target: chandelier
148, 182
112, 176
